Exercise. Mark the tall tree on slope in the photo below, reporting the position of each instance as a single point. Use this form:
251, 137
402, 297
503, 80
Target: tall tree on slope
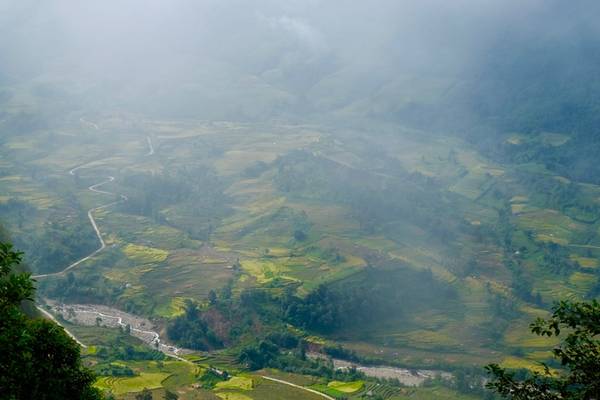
38, 360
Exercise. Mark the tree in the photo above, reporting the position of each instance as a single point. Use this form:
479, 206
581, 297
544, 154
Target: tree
300, 235
38, 360
144, 395
579, 354
170, 395
212, 297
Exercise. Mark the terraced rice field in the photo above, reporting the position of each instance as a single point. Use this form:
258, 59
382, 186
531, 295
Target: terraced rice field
121, 385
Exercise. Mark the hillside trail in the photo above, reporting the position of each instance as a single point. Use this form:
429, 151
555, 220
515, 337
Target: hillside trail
168, 350
171, 351
90, 214
298, 387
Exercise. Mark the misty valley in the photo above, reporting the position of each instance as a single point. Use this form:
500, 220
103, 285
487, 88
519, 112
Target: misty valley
272, 219
420, 252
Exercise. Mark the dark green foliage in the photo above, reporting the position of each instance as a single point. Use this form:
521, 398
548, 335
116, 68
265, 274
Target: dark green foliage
14, 288
61, 242
365, 299
468, 380
255, 170
38, 359
212, 297
211, 377
144, 395
16, 210
266, 353
113, 370
322, 310
198, 192
556, 258
92, 288
300, 235
375, 200
123, 351
283, 339
579, 355
191, 331
259, 355
342, 353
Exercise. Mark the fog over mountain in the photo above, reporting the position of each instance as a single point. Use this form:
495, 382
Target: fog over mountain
291, 59
286, 199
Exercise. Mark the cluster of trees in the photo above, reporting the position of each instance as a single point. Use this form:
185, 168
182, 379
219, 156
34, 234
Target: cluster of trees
285, 351
503, 232
91, 287
556, 258
360, 303
573, 159
567, 197
467, 380
111, 369
146, 394
338, 351
375, 199
369, 298
38, 359
126, 352
323, 310
578, 354
16, 210
197, 192
192, 331
60, 242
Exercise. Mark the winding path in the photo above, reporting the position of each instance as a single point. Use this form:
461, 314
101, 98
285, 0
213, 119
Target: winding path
170, 351
298, 387
90, 214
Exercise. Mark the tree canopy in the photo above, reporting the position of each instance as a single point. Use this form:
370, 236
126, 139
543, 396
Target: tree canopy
38, 360
578, 353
